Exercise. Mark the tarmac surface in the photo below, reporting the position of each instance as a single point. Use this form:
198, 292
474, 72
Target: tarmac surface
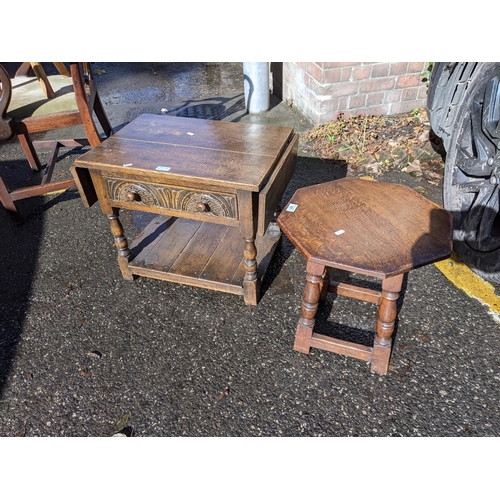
85, 353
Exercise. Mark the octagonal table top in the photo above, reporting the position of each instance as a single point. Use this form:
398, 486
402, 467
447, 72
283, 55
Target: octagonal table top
377, 228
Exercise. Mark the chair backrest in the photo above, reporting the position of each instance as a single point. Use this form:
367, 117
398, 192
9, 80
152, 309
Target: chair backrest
42, 102
6, 129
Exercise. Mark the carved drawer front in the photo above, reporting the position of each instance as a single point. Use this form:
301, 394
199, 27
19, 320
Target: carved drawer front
137, 195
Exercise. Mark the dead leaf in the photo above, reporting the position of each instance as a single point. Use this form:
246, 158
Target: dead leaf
122, 422
22, 432
414, 166
424, 338
424, 137
85, 373
222, 395
94, 354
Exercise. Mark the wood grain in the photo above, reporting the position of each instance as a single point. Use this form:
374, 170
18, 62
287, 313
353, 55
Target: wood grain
372, 228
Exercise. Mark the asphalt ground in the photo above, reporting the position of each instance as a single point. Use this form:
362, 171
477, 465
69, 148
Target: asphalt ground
86, 353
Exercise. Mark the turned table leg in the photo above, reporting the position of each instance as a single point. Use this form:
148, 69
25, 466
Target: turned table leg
310, 299
250, 282
248, 225
382, 345
124, 254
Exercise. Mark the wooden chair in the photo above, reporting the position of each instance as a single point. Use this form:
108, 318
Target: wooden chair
370, 228
40, 103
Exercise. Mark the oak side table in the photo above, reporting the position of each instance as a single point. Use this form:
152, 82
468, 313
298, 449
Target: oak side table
369, 228
216, 187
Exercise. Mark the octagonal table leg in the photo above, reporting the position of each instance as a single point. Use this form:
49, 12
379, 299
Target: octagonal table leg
382, 345
309, 307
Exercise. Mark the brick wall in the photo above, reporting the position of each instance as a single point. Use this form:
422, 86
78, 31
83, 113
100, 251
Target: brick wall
322, 90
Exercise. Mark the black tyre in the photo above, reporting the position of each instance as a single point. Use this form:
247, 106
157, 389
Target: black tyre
472, 173
449, 86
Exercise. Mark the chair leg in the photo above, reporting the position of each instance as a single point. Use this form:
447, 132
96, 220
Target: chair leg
102, 117
309, 307
5, 197
382, 345
30, 152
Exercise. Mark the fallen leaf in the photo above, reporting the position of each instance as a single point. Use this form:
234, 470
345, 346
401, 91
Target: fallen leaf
85, 373
22, 432
424, 137
122, 422
94, 354
414, 166
222, 395
424, 337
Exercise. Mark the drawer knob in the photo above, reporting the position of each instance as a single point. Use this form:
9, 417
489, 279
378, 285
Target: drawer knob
201, 207
131, 196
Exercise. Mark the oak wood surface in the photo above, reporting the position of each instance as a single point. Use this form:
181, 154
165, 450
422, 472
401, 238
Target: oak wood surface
207, 176
270, 195
229, 155
367, 227
195, 253
387, 228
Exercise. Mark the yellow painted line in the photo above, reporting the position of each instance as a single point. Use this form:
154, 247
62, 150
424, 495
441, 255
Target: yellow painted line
464, 279
55, 192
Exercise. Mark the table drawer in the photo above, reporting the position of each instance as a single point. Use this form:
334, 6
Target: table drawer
138, 196
271, 194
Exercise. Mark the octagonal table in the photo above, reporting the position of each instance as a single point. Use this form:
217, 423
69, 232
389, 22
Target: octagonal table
372, 228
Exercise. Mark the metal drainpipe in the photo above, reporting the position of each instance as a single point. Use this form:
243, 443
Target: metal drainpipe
256, 86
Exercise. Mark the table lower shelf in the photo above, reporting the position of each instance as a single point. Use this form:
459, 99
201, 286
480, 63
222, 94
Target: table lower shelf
197, 253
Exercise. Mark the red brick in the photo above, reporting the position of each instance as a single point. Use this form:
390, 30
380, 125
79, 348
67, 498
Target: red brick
392, 96
380, 70
361, 72
345, 113
376, 84
331, 75
398, 68
375, 98
357, 101
314, 71
333, 104
410, 94
417, 67
343, 89
383, 109
346, 74
329, 65
408, 81
422, 92
406, 106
